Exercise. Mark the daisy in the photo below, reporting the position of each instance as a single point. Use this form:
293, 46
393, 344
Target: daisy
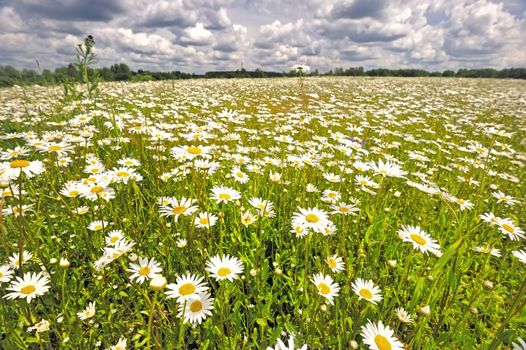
88, 312
380, 337
129, 162
335, 263
205, 220
488, 250
331, 177
311, 218
185, 287
365, 181
15, 168
299, 230
97, 225
144, 270
197, 308
190, 152
16, 152
387, 169
503, 198
420, 239
224, 267
507, 227
326, 286
71, 189
177, 208
489, 218
521, 345
519, 254
345, 209
239, 176
125, 174
99, 188
403, 315
366, 290
113, 237
222, 194
14, 260
280, 345
5, 273
29, 286
121, 345
330, 196
261, 205
463, 203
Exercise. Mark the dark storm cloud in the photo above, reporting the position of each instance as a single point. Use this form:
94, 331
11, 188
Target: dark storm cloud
71, 10
201, 35
359, 9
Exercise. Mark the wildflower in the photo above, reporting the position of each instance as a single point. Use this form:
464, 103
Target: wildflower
366, 290
326, 286
177, 208
5, 273
185, 287
280, 345
88, 312
205, 220
224, 267
15, 168
520, 254
311, 218
29, 286
144, 270
223, 194
335, 263
420, 239
380, 337
403, 315
197, 308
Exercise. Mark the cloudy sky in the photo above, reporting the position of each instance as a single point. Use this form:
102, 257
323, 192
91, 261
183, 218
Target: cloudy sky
202, 35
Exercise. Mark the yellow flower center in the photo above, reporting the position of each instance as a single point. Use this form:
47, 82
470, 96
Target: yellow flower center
28, 289
225, 196
331, 263
332, 194
203, 221
55, 148
508, 228
224, 271
19, 164
179, 210
194, 150
240, 174
196, 306
460, 201
324, 289
144, 271
73, 193
114, 239
123, 174
187, 289
344, 209
418, 239
97, 189
312, 218
366, 293
382, 343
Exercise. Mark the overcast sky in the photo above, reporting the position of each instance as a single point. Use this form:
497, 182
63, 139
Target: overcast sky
202, 35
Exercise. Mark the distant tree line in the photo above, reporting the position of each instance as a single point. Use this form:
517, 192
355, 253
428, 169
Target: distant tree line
10, 76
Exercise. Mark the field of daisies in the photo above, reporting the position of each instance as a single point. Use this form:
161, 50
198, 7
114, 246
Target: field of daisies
309, 213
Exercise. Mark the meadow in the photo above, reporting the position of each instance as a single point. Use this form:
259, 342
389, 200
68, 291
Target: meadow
319, 213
